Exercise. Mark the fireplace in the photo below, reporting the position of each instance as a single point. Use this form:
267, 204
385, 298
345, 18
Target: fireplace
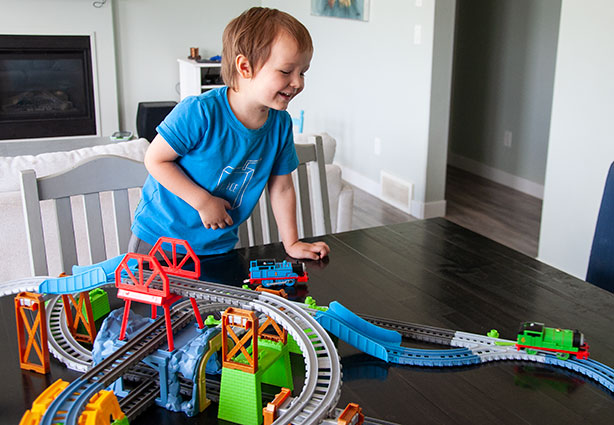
46, 87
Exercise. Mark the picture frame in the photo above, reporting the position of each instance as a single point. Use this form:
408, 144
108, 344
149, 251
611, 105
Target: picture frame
346, 9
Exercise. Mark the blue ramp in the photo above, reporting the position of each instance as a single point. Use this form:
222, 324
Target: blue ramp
86, 281
357, 332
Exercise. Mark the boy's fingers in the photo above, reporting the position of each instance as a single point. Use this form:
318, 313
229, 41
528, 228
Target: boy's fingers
226, 204
228, 220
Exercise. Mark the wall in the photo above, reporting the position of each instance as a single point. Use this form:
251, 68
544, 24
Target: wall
503, 80
370, 80
581, 146
72, 17
153, 34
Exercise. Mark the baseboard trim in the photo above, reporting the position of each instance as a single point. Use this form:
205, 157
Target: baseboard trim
417, 209
428, 209
498, 176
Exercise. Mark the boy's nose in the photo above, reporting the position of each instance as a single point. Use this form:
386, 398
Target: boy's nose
297, 82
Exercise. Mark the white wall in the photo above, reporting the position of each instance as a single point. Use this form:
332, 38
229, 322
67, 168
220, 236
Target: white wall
153, 34
581, 146
72, 17
370, 80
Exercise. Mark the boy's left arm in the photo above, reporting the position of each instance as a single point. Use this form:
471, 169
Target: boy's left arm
283, 202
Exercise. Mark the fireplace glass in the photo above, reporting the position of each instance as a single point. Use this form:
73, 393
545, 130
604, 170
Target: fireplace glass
46, 87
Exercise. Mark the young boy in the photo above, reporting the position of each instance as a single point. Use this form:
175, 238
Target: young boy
215, 153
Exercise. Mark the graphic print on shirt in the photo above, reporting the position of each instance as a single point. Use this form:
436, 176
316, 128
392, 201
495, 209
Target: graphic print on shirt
234, 181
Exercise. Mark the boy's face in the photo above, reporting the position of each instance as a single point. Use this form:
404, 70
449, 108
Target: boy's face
282, 76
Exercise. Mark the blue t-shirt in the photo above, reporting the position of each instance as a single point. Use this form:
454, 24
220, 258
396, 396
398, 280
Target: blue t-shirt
220, 154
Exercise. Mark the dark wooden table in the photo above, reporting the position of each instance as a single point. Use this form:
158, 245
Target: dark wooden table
434, 273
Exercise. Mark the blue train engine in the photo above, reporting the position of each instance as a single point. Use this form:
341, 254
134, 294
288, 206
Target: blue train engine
274, 273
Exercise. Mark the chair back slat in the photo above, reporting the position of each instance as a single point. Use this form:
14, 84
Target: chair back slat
273, 231
121, 209
85, 181
256, 224
95, 233
243, 235
34, 223
304, 200
66, 234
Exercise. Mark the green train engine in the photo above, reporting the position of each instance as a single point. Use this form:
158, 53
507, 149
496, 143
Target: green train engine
563, 342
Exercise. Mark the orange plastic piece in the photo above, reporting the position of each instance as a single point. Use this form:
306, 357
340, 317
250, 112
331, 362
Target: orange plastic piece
88, 323
351, 415
29, 335
243, 319
171, 266
42, 402
269, 413
101, 409
280, 335
279, 292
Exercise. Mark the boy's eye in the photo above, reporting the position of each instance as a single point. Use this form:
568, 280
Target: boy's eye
285, 72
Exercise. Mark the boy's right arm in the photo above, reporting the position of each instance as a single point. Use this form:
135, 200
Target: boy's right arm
160, 162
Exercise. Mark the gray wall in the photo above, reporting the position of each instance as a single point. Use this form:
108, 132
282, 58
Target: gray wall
503, 80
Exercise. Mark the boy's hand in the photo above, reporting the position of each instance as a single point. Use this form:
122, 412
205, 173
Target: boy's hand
213, 213
311, 251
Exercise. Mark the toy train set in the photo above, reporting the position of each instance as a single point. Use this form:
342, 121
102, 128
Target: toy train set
309, 326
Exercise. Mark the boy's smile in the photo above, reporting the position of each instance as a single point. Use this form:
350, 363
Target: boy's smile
274, 85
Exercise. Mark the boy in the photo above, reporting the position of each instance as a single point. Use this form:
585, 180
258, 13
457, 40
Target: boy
214, 153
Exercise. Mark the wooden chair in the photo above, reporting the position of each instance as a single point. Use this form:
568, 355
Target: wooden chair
312, 200
601, 261
105, 173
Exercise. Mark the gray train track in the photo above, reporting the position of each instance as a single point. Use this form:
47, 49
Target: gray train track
69, 405
319, 396
62, 344
322, 386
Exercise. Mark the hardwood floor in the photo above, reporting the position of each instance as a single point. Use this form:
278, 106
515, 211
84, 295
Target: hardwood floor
493, 210
488, 208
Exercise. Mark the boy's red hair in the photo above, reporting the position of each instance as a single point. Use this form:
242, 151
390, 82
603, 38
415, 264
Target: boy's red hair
252, 34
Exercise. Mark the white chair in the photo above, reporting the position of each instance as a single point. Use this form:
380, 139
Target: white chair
89, 178
340, 194
309, 185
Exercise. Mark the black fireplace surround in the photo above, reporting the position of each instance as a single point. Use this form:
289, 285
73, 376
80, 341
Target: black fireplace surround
46, 87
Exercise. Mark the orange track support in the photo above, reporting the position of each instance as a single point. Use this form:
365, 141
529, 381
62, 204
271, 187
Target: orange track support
88, 322
269, 413
236, 317
351, 415
280, 335
278, 292
27, 333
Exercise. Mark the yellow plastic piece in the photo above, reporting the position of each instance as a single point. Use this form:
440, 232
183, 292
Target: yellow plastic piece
215, 345
42, 402
101, 408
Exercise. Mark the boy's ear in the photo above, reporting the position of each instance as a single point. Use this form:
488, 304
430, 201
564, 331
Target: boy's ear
243, 67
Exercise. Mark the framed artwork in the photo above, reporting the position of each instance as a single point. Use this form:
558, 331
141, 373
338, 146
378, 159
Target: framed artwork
348, 9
